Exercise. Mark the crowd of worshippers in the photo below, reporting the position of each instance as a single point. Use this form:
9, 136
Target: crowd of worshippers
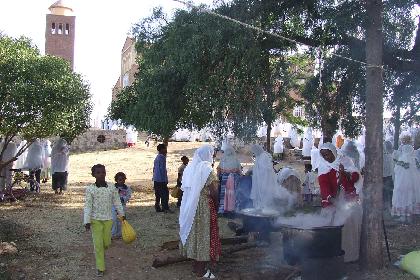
42, 161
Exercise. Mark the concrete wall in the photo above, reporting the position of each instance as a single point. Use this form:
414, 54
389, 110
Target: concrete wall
88, 141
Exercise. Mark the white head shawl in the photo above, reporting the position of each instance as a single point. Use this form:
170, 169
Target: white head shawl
388, 147
279, 145
229, 159
58, 146
34, 159
350, 150
407, 154
193, 181
285, 173
9, 152
257, 150
324, 166
308, 142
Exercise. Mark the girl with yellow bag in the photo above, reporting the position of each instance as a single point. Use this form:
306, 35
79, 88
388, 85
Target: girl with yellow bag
100, 198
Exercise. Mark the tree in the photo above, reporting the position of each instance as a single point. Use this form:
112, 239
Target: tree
40, 96
199, 70
372, 239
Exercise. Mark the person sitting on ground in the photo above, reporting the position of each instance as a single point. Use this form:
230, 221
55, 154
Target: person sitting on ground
125, 194
181, 169
199, 232
160, 180
100, 198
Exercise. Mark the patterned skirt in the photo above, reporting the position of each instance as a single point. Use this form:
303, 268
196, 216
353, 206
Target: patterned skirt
215, 244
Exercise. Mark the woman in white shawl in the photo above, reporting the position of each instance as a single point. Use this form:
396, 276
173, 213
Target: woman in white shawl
46, 169
34, 163
20, 163
337, 177
8, 154
199, 232
406, 195
308, 143
229, 166
279, 147
265, 189
59, 165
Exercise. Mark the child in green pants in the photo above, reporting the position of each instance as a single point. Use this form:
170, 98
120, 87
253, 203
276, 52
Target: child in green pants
100, 197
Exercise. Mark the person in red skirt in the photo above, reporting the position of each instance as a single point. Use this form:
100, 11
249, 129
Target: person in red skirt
199, 232
337, 176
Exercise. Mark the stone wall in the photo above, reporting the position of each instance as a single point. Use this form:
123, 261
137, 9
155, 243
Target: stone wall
99, 140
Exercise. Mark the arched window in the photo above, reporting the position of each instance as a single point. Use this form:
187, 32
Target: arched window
298, 111
53, 28
60, 28
67, 31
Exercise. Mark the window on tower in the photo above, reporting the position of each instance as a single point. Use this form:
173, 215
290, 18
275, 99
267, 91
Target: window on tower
67, 31
60, 28
53, 28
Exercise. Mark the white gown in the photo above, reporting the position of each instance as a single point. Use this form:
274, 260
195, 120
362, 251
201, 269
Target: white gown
406, 195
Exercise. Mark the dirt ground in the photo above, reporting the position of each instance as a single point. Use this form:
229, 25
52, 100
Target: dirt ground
52, 243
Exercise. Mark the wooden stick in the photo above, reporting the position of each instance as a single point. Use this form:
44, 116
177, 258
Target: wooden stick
174, 244
163, 260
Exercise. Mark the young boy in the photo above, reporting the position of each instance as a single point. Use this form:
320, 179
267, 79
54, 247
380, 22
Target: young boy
160, 180
100, 198
309, 183
125, 194
185, 160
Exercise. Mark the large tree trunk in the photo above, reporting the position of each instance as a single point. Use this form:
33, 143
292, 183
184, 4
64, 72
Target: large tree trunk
268, 142
397, 127
327, 130
372, 240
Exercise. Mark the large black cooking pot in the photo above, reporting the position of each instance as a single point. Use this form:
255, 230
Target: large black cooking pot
319, 242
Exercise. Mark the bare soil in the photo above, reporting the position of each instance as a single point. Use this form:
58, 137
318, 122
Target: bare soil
52, 243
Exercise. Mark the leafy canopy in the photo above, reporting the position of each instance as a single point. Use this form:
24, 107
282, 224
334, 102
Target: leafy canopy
40, 96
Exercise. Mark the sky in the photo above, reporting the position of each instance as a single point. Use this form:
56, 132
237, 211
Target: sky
101, 29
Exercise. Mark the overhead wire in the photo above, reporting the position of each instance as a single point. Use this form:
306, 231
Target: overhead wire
250, 26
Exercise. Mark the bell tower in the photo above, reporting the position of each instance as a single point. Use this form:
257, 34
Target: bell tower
60, 31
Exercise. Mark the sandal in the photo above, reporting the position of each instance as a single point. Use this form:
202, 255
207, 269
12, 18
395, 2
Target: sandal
209, 275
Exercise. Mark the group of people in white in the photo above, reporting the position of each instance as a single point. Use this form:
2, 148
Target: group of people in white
41, 160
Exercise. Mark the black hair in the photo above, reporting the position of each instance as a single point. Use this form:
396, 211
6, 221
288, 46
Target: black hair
96, 166
161, 147
308, 166
184, 158
119, 175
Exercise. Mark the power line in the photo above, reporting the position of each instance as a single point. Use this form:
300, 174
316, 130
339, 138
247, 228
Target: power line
249, 26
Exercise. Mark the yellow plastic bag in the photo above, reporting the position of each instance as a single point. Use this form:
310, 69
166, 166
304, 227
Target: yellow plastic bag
128, 233
411, 263
176, 192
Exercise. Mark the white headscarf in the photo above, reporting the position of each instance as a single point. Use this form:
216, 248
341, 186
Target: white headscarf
34, 159
285, 173
59, 156
308, 142
279, 145
350, 150
264, 181
229, 159
9, 152
22, 158
324, 166
193, 181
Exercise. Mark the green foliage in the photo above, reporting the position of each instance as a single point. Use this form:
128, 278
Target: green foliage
199, 70
40, 96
